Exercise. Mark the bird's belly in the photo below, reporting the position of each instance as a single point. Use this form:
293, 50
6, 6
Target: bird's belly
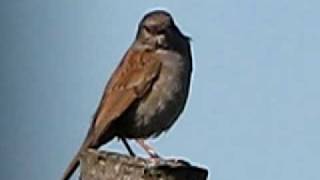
157, 113
159, 110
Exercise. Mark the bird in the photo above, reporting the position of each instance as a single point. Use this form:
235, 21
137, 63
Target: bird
148, 90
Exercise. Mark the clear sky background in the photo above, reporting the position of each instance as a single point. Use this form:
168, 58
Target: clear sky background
253, 112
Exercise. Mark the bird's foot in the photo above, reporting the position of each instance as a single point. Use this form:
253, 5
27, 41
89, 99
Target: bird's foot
153, 154
129, 149
156, 161
179, 162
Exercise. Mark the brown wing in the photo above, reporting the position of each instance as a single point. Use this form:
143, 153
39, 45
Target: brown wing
133, 77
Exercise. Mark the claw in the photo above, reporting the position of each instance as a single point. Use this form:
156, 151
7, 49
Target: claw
150, 150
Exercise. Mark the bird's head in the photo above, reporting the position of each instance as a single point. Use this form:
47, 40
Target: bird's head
158, 29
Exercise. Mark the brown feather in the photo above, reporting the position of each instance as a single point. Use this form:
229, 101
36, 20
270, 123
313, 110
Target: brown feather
133, 77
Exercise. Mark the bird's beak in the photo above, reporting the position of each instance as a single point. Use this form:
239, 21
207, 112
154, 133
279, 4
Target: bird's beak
160, 39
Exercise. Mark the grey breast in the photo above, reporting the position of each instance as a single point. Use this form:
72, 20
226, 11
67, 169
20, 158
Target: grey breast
165, 102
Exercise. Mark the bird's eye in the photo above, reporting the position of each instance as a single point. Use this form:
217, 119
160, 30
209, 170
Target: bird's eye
154, 29
162, 31
148, 29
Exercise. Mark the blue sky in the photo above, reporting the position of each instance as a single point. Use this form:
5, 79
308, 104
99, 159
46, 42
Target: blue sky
253, 112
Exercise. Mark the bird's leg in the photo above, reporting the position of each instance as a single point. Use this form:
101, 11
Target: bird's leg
126, 144
150, 150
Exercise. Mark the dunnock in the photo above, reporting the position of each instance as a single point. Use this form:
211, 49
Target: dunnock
148, 90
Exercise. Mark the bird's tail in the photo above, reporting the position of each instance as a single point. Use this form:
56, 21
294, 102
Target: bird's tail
89, 142
72, 166
76, 159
